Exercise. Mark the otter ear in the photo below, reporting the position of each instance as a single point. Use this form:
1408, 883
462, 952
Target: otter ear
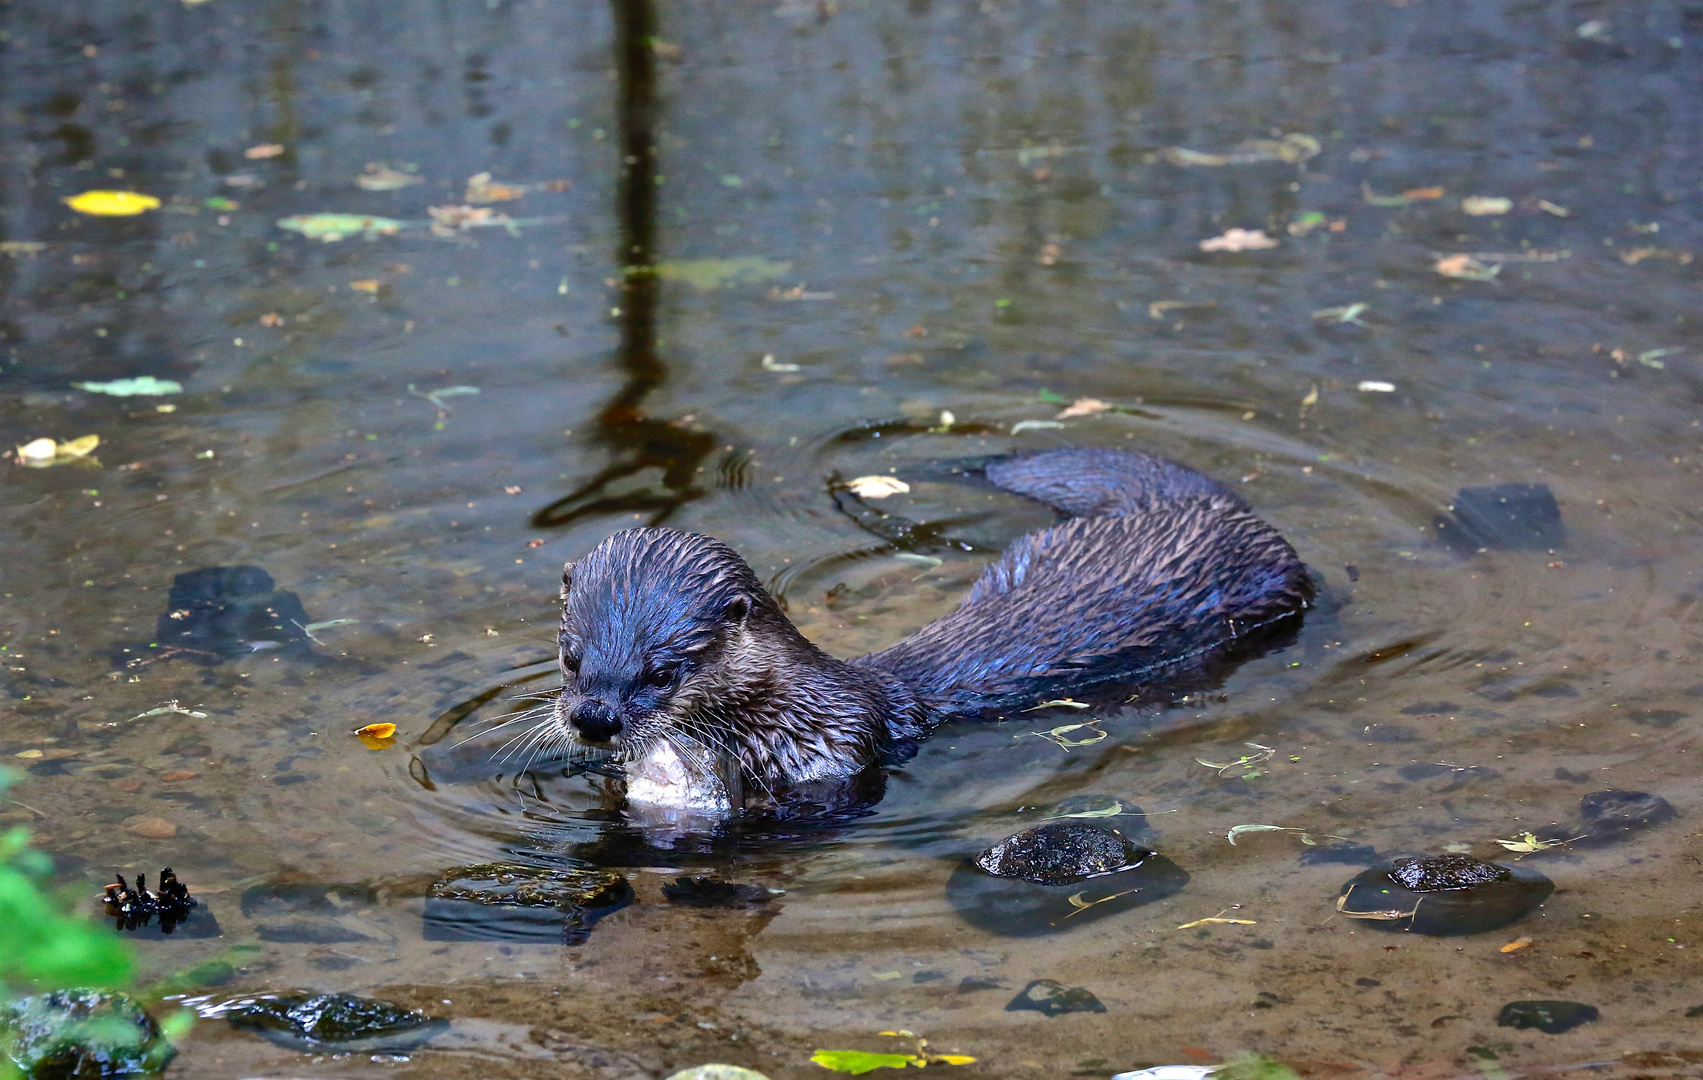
567, 579
737, 609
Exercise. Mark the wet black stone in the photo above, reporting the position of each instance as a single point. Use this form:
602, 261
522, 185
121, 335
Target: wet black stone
1368, 982
1610, 816
223, 612
1452, 894
1346, 853
511, 902
1549, 1017
704, 892
1013, 907
56, 1037
971, 983
1695, 1010
1436, 873
1518, 517
928, 976
1053, 998
341, 1022
1061, 853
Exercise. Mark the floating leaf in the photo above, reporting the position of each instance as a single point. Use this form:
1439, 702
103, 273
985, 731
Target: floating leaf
1653, 357
877, 486
1057, 735
112, 203
367, 285
77, 448
1292, 149
384, 178
1217, 919
862, 1061
1058, 703
1373, 199
480, 189
1245, 762
1516, 945
1239, 240
141, 386
1375, 386
436, 396
40, 453
1466, 268
1550, 208
1526, 843
707, 274
771, 364
331, 227
1349, 313
1105, 811
1085, 406
170, 707
377, 731
18, 248
1484, 205
221, 204
1305, 836
263, 151
1033, 425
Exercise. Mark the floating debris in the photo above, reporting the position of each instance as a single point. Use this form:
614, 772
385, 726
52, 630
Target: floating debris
1485, 205
1212, 920
1292, 149
333, 227
1349, 313
1248, 763
1239, 240
1034, 425
1550, 208
1375, 386
263, 151
1057, 735
1086, 406
383, 178
40, 453
708, 274
112, 203
877, 486
481, 189
17, 249
1466, 268
141, 386
1304, 835
377, 731
771, 364
171, 707
436, 396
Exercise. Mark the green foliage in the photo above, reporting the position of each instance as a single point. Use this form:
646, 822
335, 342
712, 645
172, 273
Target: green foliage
1255, 1067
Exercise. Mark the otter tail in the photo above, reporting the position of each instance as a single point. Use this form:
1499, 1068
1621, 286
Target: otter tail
1158, 568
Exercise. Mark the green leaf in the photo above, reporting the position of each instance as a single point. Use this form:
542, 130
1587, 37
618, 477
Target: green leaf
862, 1061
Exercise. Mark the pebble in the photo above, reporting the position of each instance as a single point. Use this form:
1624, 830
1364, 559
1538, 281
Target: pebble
179, 774
154, 828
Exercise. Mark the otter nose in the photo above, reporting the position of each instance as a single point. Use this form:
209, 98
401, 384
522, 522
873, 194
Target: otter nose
596, 721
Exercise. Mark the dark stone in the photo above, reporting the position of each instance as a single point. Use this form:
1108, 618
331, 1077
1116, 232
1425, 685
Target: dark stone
1346, 853
1571, 777
1695, 1010
1610, 816
971, 983
304, 913
1390, 733
1516, 517
703, 892
1053, 998
1061, 853
1013, 907
928, 976
339, 1022
1368, 982
1430, 708
1438, 873
224, 612
83, 1035
511, 902
1449, 895
1549, 1017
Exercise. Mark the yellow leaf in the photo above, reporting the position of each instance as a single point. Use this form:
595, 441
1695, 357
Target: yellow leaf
377, 731
112, 203
367, 286
1516, 945
78, 447
952, 1059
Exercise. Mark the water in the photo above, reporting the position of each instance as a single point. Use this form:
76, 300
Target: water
938, 208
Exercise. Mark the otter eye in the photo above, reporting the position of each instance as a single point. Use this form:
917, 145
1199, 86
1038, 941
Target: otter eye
662, 676
571, 662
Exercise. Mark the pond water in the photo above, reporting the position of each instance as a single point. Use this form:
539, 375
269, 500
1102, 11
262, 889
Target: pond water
849, 220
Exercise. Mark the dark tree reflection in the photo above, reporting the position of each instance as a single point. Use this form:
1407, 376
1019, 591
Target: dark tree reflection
636, 441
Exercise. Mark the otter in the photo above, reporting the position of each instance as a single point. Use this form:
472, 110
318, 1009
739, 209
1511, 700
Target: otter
678, 663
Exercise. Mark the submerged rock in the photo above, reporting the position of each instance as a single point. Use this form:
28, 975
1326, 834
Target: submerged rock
1443, 895
1549, 1017
705, 892
83, 1035
317, 1022
1015, 907
1506, 516
1061, 853
1053, 998
511, 902
223, 612
1613, 815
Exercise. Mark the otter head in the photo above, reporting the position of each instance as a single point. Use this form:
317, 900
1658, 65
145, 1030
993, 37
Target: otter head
645, 617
